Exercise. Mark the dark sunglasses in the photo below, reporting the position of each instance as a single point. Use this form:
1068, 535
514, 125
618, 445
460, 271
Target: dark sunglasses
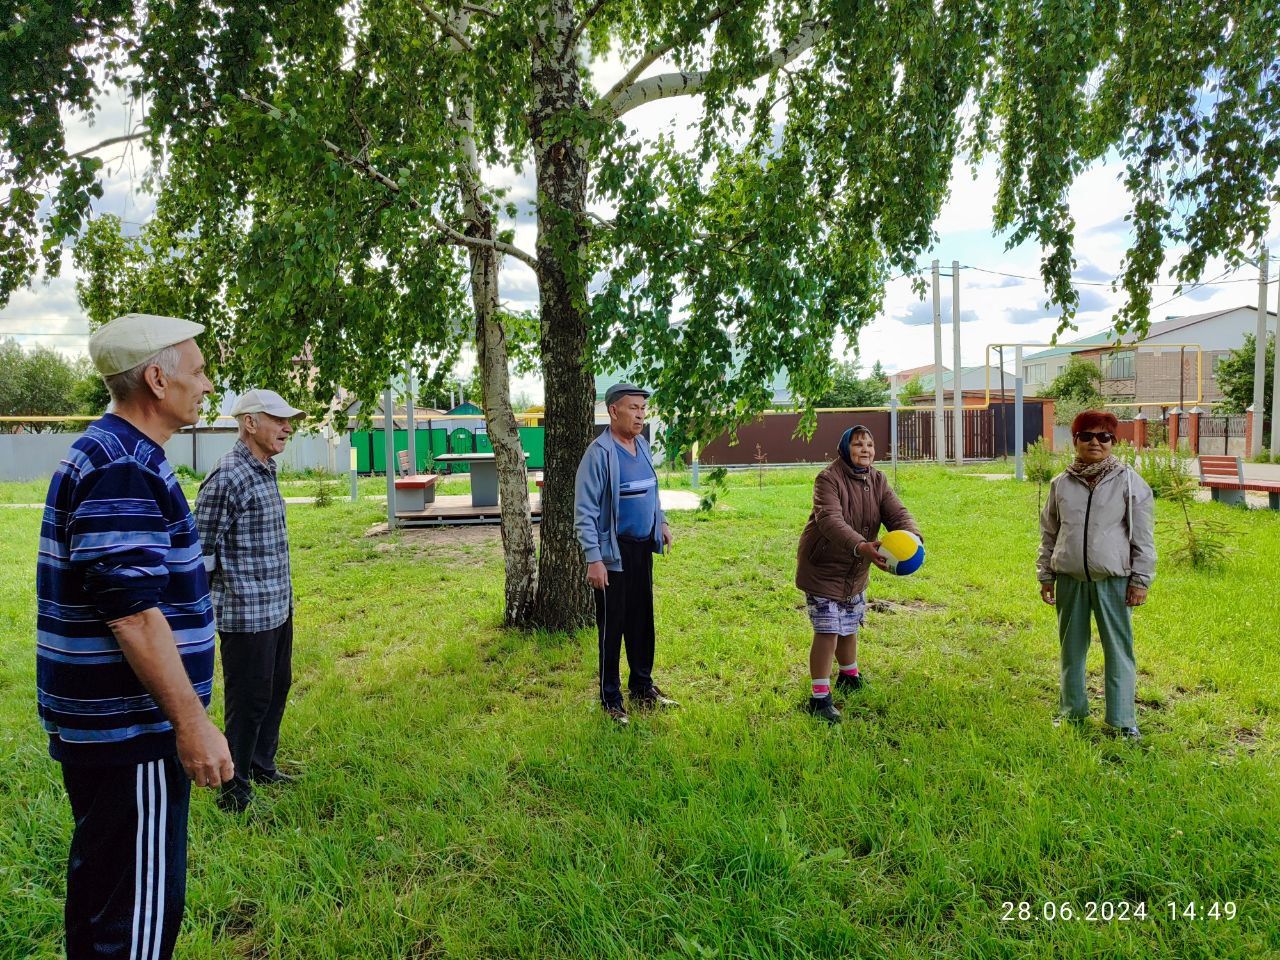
1102, 437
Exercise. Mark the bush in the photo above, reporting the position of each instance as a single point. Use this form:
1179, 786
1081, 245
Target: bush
323, 493
1165, 470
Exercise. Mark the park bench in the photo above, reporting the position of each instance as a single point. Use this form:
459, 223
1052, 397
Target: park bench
1224, 476
413, 490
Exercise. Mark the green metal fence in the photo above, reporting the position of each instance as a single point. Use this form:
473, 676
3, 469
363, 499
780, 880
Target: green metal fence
370, 447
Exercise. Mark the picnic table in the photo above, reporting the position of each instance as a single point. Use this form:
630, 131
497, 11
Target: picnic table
484, 475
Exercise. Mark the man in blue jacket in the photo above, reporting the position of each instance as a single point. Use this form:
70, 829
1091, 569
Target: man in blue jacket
620, 527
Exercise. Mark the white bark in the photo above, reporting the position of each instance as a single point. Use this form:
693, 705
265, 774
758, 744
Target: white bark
688, 82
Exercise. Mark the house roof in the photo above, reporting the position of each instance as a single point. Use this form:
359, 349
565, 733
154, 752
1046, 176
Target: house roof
910, 372
1158, 329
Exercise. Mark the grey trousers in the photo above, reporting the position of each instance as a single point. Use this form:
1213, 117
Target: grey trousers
1077, 602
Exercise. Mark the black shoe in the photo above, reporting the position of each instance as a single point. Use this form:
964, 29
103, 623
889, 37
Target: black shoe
850, 683
617, 714
1129, 733
652, 699
824, 708
271, 776
234, 799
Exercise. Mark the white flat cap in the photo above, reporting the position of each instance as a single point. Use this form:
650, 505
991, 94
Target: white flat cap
264, 401
134, 338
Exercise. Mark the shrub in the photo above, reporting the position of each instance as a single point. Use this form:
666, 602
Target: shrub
322, 493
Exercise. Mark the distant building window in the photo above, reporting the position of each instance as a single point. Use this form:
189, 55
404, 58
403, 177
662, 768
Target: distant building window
1037, 373
1118, 366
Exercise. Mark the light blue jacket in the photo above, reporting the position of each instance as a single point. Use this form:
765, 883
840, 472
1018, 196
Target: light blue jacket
595, 501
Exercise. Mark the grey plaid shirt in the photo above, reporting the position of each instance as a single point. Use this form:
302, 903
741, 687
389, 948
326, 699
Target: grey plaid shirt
240, 518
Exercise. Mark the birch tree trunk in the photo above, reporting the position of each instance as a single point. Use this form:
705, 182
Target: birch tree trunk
564, 598
518, 549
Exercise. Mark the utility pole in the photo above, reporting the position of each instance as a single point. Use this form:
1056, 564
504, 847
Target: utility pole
1017, 414
1275, 385
939, 420
1260, 357
410, 411
957, 381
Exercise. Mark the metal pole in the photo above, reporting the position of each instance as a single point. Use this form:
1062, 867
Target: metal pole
893, 428
1260, 357
1017, 414
355, 479
939, 421
389, 444
693, 465
957, 379
1004, 447
1182, 359
410, 410
1275, 386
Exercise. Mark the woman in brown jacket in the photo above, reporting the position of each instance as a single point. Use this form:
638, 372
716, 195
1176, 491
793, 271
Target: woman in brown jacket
851, 501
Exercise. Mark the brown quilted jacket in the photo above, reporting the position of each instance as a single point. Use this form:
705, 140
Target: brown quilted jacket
848, 509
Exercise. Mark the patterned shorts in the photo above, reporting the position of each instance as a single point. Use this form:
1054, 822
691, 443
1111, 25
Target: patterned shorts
841, 617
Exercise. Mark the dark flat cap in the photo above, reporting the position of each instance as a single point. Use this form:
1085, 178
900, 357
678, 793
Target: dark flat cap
620, 390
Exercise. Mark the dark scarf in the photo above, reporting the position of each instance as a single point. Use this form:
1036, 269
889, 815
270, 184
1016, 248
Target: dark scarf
1092, 473
845, 440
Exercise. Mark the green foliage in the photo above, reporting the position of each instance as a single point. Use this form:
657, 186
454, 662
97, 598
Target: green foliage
39, 382
911, 389
848, 389
1075, 389
1200, 542
713, 486
1235, 375
312, 168
1042, 465
322, 493
1166, 471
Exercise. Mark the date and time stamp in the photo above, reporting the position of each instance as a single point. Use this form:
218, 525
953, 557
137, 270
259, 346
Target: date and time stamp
1118, 911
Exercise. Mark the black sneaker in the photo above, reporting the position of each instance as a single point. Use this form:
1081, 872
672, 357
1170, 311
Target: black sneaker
850, 683
272, 776
824, 708
1129, 733
652, 699
234, 799
618, 714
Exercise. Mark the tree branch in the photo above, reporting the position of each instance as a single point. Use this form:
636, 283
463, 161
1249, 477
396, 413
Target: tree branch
582, 24
448, 28
479, 8
687, 83
109, 142
366, 169
654, 54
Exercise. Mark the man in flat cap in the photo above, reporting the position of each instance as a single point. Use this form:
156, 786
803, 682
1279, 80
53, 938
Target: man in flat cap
620, 526
240, 516
124, 645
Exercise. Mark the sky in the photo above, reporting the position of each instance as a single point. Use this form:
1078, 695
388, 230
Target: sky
1001, 298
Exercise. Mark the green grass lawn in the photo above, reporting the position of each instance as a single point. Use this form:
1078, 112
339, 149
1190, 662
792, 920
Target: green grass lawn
462, 796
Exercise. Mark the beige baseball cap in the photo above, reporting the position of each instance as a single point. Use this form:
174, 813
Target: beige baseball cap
135, 338
264, 401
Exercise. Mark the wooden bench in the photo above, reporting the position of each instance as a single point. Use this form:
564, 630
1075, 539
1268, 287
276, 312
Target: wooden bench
1224, 476
413, 490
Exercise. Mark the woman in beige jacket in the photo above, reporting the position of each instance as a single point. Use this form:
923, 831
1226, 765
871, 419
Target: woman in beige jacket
1097, 560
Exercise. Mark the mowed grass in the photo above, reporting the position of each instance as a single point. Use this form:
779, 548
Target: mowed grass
462, 796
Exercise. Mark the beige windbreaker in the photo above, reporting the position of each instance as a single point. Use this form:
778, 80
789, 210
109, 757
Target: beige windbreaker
1108, 531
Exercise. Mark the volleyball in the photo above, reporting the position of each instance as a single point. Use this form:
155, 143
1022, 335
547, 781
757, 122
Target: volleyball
902, 551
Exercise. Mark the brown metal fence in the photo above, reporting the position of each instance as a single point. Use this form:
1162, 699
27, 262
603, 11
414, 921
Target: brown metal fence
771, 439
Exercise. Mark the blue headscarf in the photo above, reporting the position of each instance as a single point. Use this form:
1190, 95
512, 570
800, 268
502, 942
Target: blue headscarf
845, 440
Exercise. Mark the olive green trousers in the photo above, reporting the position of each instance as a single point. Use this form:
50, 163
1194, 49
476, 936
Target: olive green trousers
1078, 602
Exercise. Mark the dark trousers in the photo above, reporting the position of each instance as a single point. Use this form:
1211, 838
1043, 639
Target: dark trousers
624, 612
127, 869
257, 671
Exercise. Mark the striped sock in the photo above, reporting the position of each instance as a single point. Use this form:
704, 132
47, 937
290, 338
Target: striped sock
851, 670
821, 686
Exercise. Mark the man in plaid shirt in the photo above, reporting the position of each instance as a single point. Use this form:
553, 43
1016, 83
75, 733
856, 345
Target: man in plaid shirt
240, 517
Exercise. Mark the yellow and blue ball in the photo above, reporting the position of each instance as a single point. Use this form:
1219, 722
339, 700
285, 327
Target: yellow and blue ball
902, 551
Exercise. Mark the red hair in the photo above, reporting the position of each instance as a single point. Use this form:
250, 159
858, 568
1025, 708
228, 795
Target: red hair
1094, 420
